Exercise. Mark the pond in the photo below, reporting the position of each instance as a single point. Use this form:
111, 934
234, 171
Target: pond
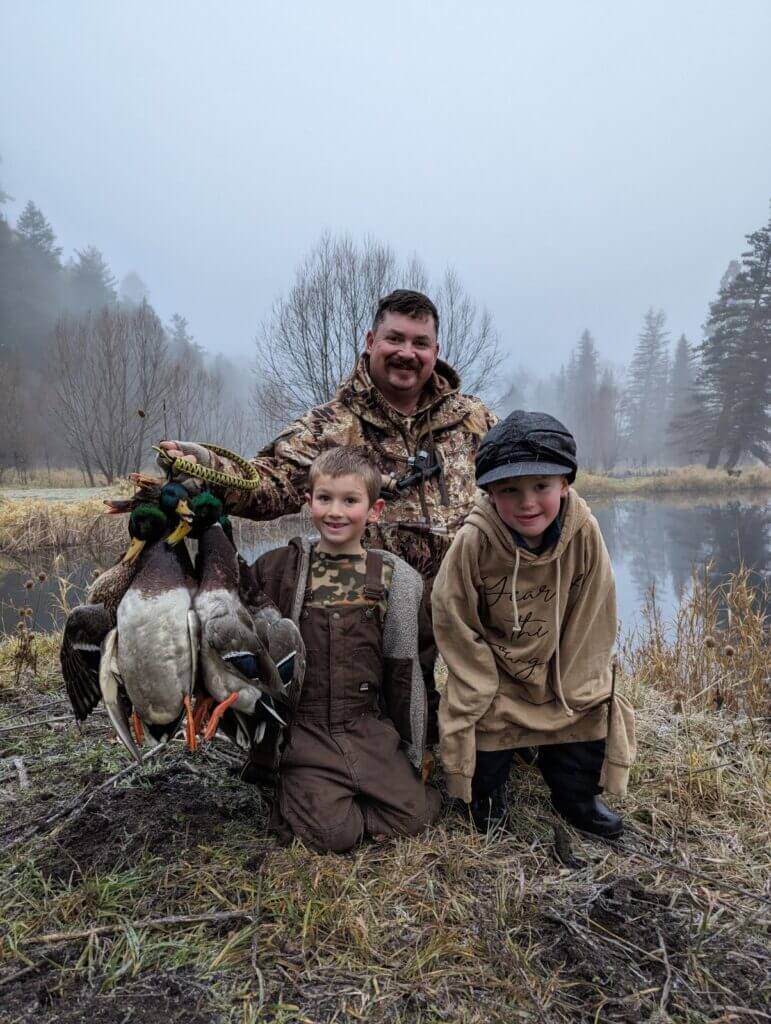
650, 540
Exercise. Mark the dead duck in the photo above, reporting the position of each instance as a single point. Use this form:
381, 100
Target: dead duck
151, 656
87, 625
237, 670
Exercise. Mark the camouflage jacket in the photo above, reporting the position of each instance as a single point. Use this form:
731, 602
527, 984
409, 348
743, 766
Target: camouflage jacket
419, 522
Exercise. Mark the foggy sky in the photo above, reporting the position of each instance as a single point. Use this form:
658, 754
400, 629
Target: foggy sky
576, 163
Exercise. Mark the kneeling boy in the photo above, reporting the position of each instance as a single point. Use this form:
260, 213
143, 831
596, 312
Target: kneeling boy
351, 758
524, 613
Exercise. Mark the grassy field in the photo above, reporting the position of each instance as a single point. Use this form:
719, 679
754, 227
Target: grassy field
687, 479
159, 894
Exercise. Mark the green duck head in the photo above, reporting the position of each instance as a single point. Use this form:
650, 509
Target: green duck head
147, 523
206, 510
173, 500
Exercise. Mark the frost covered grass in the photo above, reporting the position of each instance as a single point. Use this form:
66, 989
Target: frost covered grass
163, 893
672, 481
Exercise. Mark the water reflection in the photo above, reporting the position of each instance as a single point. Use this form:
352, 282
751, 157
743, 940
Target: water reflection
659, 541
649, 541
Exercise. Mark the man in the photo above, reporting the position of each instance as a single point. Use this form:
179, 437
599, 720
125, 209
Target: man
402, 407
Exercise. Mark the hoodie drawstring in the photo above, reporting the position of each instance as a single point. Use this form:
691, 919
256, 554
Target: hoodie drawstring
517, 626
557, 627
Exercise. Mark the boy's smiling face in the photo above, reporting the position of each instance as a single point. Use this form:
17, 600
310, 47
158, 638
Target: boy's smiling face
340, 510
528, 504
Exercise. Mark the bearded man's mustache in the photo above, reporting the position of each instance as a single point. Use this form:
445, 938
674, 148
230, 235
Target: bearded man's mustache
401, 365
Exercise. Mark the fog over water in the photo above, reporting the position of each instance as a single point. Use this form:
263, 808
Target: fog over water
577, 163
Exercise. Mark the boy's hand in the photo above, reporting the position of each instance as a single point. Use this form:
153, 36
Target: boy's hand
428, 766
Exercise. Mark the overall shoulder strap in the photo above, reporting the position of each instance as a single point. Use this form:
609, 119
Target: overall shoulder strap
373, 582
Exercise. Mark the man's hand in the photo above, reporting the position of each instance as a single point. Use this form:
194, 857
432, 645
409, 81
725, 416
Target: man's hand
176, 450
184, 450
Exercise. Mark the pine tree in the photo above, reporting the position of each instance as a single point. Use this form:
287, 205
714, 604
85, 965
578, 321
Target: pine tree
585, 399
181, 342
91, 282
681, 402
133, 290
646, 392
37, 232
607, 421
734, 378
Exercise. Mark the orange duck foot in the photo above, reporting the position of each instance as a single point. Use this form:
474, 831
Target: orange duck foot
136, 725
190, 738
217, 714
203, 706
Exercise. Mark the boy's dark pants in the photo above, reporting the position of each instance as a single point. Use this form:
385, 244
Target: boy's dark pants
570, 770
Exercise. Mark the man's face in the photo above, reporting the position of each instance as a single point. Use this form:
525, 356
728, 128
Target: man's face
402, 354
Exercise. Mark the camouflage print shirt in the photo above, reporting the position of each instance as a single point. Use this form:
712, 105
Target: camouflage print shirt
418, 523
336, 580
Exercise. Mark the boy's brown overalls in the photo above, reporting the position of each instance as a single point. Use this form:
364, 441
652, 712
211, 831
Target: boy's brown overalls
344, 770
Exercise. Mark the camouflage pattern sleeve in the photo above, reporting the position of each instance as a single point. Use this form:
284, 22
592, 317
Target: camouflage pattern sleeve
282, 466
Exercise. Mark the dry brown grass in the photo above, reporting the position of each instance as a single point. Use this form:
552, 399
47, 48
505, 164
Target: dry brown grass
715, 654
42, 477
29, 525
668, 924
684, 479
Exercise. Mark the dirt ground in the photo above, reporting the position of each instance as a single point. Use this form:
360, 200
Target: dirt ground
150, 999
451, 927
168, 819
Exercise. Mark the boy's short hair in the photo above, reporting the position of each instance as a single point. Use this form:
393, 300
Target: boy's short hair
342, 461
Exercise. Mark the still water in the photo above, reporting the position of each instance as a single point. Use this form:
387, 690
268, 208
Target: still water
650, 541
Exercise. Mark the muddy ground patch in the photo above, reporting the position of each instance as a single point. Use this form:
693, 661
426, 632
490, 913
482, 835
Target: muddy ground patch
170, 816
49, 997
619, 940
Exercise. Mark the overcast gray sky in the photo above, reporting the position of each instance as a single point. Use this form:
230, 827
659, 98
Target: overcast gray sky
576, 162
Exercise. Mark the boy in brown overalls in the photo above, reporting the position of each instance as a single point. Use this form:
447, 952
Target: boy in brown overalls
351, 758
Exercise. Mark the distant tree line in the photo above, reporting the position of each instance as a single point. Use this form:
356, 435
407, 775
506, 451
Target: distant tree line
89, 376
709, 402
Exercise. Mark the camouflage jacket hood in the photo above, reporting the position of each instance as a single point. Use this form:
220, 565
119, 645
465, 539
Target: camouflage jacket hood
419, 522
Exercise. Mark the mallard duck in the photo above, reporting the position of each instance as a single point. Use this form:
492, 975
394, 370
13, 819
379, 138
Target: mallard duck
237, 670
88, 624
170, 496
152, 653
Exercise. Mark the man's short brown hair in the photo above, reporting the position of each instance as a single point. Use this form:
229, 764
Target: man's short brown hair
408, 303
336, 462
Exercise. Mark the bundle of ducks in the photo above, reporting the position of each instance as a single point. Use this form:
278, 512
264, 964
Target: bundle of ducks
167, 644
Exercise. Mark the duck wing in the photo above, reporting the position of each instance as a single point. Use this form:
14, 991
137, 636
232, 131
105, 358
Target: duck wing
86, 627
110, 684
284, 642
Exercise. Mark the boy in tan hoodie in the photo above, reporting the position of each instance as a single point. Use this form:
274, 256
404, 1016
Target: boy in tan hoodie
524, 611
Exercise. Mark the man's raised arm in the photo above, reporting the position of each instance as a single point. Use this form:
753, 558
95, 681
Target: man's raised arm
282, 469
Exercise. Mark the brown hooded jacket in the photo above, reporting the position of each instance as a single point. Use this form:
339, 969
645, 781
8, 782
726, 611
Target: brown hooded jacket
527, 640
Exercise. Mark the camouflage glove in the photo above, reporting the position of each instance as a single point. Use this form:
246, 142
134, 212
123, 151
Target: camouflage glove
194, 452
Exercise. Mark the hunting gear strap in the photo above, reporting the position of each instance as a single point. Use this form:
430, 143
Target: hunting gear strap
249, 481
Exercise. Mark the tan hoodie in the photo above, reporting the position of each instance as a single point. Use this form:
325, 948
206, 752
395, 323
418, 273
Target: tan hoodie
499, 611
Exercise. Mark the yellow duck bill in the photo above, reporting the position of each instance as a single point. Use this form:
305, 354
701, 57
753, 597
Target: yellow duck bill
133, 550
